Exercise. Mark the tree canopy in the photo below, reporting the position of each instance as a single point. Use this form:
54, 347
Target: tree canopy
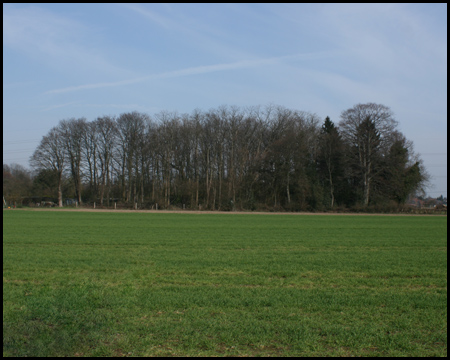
231, 158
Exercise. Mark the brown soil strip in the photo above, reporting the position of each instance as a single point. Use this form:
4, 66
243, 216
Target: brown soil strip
215, 212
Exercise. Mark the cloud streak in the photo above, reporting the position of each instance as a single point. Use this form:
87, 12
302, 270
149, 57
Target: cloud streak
59, 106
197, 70
55, 40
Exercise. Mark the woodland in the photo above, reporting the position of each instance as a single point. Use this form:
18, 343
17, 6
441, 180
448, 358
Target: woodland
229, 158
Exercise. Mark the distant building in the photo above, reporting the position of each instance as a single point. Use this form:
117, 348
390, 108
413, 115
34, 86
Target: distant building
416, 202
428, 203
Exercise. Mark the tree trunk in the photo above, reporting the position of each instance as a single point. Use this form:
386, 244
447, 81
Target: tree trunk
108, 182
207, 177
331, 185
366, 188
287, 189
60, 200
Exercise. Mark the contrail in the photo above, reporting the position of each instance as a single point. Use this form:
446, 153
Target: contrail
190, 71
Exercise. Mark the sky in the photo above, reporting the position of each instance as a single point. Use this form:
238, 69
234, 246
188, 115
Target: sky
64, 61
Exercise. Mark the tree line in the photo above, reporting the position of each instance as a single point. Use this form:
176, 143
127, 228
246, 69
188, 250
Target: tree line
230, 158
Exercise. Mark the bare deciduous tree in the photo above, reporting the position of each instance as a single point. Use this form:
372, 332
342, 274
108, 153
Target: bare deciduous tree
234, 158
51, 155
73, 131
106, 130
366, 128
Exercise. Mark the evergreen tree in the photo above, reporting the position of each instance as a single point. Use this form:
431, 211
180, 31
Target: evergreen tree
330, 160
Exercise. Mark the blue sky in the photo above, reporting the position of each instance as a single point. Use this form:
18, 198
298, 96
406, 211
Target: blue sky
86, 60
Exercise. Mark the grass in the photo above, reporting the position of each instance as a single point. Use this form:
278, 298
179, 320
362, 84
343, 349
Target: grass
162, 284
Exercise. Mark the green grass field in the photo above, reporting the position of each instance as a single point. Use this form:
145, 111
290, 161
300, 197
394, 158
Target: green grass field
166, 284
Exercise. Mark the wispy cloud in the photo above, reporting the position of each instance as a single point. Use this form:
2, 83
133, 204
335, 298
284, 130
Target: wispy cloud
193, 71
122, 107
59, 106
192, 28
153, 16
58, 41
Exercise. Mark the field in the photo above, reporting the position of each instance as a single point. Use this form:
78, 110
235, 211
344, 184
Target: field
167, 284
